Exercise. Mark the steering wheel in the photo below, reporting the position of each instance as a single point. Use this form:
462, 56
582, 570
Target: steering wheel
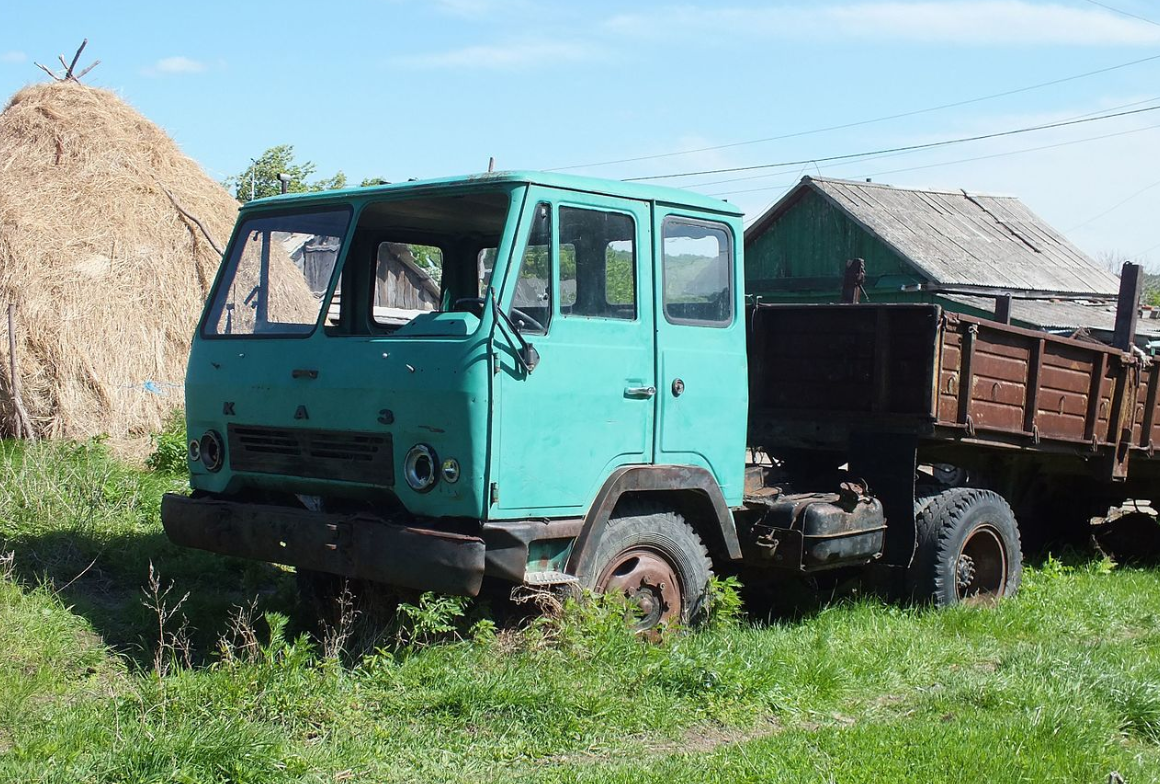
476, 307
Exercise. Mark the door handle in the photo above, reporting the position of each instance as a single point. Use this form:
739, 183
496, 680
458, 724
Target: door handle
643, 393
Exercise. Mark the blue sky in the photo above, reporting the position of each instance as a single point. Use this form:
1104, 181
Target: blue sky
401, 88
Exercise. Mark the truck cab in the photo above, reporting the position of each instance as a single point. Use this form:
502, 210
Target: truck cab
432, 383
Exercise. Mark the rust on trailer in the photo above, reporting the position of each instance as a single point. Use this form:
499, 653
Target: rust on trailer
822, 372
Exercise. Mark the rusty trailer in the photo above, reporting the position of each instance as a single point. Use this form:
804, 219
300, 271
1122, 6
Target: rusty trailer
1061, 426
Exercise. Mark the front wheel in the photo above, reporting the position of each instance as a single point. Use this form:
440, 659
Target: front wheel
656, 560
968, 549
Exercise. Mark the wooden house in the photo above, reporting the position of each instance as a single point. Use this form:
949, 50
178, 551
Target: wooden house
962, 250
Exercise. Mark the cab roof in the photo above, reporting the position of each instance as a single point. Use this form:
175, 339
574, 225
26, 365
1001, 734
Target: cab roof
571, 182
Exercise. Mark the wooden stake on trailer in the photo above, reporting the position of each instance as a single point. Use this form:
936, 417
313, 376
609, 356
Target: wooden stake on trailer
22, 423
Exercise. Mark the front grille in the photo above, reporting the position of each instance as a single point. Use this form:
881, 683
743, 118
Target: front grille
312, 454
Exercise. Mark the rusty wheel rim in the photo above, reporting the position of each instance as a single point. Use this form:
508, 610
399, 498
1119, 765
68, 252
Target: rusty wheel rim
649, 581
981, 568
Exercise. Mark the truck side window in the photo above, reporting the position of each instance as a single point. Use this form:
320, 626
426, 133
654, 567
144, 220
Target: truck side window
407, 279
532, 303
597, 264
698, 272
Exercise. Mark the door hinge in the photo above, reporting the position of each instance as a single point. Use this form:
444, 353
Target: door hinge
494, 493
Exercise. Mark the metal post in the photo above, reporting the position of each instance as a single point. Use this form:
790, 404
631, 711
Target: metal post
852, 281
1128, 305
1003, 308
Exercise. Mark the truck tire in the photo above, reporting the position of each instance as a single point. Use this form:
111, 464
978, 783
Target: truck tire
656, 560
968, 549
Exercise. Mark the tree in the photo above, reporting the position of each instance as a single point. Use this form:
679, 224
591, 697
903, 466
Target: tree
260, 178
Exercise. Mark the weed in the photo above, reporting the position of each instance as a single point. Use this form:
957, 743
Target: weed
169, 446
723, 605
172, 643
435, 617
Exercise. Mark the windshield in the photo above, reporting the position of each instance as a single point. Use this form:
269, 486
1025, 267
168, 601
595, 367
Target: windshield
417, 257
277, 274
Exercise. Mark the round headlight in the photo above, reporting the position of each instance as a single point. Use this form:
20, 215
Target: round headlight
194, 451
213, 452
451, 470
419, 468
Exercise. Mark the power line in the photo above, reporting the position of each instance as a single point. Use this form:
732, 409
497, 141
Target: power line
1113, 208
906, 148
891, 155
1124, 13
960, 160
860, 123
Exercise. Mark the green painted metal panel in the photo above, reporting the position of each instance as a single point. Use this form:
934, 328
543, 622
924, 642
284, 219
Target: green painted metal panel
702, 371
437, 388
562, 429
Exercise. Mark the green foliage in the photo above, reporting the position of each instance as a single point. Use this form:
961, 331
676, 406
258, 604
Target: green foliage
435, 617
260, 178
169, 447
723, 606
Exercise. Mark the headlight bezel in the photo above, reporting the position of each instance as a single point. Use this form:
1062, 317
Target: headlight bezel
213, 451
421, 468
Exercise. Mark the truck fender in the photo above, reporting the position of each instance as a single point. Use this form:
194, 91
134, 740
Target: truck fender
697, 483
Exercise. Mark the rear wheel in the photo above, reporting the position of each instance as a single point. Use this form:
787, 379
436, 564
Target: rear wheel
968, 549
656, 560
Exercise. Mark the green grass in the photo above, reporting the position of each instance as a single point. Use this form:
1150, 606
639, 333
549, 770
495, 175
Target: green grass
1059, 684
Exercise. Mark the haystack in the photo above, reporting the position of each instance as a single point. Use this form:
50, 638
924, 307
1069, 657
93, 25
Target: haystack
108, 275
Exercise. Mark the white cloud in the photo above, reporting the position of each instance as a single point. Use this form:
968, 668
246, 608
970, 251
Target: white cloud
964, 22
506, 56
13, 57
175, 65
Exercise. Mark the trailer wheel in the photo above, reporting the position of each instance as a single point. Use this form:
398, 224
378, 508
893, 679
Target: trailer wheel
968, 549
656, 560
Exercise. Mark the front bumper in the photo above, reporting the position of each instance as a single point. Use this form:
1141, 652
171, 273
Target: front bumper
358, 546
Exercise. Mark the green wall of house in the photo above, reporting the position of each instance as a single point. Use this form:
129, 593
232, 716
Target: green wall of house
801, 258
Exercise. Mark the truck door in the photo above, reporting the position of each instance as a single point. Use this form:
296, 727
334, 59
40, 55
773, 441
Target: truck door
579, 288
702, 382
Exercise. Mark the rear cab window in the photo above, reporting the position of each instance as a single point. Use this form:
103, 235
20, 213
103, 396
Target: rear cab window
697, 272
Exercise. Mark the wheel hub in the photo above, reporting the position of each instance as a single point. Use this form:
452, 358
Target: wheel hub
649, 581
965, 571
981, 568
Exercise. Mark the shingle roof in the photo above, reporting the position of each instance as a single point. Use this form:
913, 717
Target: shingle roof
956, 238
1092, 314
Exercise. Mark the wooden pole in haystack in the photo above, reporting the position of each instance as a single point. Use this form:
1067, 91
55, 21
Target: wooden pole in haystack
70, 74
21, 422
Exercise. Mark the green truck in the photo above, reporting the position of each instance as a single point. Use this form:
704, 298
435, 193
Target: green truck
528, 378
